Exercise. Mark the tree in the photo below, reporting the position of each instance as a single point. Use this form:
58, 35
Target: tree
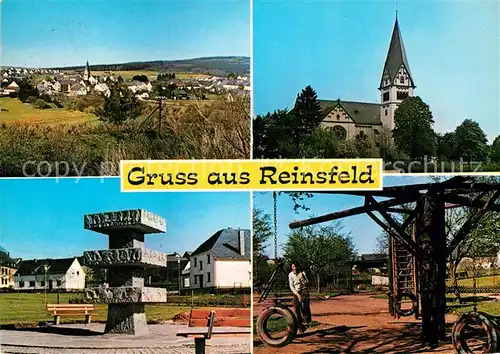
321, 250
447, 147
261, 233
382, 243
495, 150
306, 116
471, 141
121, 105
165, 77
385, 144
231, 76
142, 78
321, 144
26, 90
293, 134
413, 133
274, 135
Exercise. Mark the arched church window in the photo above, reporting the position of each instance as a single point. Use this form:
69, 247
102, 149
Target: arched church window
340, 132
361, 135
338, 116
386, 112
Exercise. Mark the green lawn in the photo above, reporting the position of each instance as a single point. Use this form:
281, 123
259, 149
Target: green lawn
18, 308
480, 281
14, 110
490, 307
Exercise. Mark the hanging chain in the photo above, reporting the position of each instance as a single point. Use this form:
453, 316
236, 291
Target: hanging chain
275, 227
474, 285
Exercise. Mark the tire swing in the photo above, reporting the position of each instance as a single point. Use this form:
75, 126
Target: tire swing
397, 304
487, 322
263, 321
263, 331
458, 335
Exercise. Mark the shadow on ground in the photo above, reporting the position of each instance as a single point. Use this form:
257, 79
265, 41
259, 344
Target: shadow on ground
66, 331
342, 339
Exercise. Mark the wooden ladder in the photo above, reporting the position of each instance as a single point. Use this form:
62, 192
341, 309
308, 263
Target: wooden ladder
404, 269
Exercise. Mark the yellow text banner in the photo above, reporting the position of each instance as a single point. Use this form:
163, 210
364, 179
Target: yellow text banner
255, 175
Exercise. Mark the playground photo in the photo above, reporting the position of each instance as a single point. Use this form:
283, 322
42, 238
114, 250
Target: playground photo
111, 272
413, 268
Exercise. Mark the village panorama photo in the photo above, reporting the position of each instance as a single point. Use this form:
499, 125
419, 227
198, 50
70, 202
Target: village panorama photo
82, 90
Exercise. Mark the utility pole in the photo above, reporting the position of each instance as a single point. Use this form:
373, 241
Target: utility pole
159, 117
160, 101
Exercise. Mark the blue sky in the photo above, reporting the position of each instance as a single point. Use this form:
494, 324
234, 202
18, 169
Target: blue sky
363, 230
339, 48
44, 219
46, 33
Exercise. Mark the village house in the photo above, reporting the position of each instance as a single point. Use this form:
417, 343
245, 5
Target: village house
186, 271
52, 274
102, 88
77, 90
8, 268
138, 86
222, 262
13, 87
45, 87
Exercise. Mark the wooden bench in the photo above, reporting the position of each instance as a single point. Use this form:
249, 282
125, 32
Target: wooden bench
217, 318
59, 310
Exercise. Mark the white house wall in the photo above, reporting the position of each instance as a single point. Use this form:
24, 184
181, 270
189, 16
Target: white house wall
206, 268
75, 277
233, 273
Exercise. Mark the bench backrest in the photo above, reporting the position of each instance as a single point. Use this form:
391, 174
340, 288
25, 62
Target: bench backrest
70, 307
223, 318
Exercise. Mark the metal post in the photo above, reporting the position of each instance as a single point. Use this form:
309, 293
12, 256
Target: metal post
179, 274
45, 284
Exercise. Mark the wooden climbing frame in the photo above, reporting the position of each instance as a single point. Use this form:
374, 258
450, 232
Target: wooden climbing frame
422, 234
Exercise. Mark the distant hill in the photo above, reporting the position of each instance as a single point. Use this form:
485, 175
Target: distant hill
210, 65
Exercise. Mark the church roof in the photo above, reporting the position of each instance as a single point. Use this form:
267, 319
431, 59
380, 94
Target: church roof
361, 113
396, 55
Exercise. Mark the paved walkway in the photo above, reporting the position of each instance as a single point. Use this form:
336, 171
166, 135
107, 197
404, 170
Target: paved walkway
81, 339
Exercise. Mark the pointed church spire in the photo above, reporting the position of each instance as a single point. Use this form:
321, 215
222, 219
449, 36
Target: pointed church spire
86, 73
396, 57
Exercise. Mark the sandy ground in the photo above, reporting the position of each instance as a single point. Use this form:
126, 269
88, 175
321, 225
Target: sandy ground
356, 324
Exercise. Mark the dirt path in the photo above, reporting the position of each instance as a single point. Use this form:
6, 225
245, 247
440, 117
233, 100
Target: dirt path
356, 324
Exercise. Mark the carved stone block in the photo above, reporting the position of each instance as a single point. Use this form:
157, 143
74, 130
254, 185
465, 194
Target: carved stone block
129, 319
124, 256
139, 220
125, 295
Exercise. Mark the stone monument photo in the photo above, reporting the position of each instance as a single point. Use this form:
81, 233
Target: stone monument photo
126, 260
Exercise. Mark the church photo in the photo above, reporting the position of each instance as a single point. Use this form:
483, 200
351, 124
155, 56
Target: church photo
391, 80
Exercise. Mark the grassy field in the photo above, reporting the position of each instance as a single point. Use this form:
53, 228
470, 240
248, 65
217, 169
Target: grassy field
480, 281
16, 111
30, 309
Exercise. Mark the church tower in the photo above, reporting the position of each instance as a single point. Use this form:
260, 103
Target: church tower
86, 73
396, 83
